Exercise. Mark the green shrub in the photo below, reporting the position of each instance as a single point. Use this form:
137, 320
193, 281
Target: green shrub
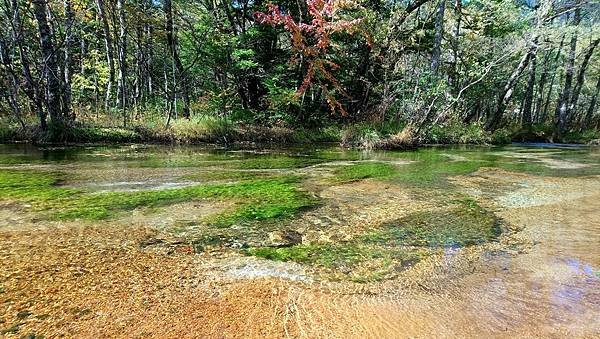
202, 128
502, 136
581, 137
361, 135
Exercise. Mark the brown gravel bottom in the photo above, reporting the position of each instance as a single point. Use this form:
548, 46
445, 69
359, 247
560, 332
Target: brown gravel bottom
95, 281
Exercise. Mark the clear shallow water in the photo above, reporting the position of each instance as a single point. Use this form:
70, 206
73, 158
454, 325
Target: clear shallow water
507, 235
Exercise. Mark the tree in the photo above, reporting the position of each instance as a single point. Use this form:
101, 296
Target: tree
562, 110
55, 101
439, 34
122, 61
312, 42
108, 44
179, 78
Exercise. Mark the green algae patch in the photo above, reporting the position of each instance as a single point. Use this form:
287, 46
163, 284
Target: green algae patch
390, 248
228, 176
352, 261
36, 187
264, 199
431, 168
255, 199
278, 162
228, 162
464, 224
366, 170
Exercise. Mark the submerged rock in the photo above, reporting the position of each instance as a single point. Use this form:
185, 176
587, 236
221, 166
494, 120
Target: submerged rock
284, 238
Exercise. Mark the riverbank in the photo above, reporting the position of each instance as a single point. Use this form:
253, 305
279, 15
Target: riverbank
214, 130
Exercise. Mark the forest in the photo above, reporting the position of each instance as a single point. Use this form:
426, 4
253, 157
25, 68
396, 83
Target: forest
364, 72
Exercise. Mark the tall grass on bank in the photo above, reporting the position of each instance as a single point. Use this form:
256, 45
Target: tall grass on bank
219, 129
200, 128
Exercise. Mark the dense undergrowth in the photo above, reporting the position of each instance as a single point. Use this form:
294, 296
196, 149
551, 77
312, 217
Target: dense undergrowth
211, 129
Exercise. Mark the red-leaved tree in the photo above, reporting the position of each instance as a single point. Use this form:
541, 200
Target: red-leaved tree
312, 41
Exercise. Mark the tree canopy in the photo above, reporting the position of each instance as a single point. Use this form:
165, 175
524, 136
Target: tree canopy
420, 63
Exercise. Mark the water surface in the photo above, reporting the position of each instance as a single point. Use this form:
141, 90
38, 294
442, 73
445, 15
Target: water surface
505, 238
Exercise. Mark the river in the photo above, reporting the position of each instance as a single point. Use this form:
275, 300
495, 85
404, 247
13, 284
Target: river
319, 241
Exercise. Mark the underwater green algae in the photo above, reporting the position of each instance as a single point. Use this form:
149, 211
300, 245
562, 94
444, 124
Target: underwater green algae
255, 199
32, 186
366, 170
464, 224
228, 175
431, 167
222, 161
392, 246
280, 162
356, 261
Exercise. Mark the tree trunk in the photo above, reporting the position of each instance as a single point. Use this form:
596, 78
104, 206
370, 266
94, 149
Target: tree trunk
540, 108
439, 34
592, 108
528, 103
122, 51
565, 95
149, 50
552, 80
139, 68
507, 90
172, 44
30, 87
68, 66
54, 99
13, 82
580, 78
454, 78
108, 45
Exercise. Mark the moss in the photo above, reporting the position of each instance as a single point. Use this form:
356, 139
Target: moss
361, 171
465, 224
256, 199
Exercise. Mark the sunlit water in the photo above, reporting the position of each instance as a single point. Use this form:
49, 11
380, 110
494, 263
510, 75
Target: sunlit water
538, 277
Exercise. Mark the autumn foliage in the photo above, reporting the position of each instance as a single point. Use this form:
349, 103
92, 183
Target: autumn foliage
311, 42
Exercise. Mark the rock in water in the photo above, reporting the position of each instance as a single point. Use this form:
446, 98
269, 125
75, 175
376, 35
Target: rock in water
285, 238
